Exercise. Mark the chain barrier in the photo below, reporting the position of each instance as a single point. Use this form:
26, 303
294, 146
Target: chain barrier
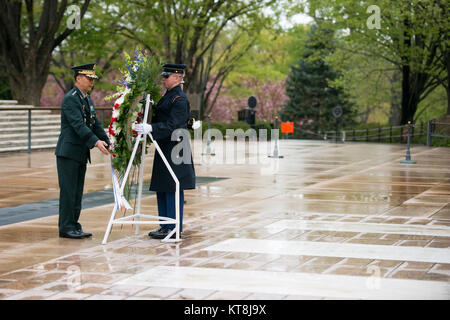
349, 135
428, 130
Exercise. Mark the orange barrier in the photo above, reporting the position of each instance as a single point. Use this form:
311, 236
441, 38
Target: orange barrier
287, 127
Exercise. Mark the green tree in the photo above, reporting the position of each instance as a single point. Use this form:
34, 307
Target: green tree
311, 98
412, 35
5, 89
188, 31
95, 41
265, 65
433, 107
372, 84
31, 31
271, 56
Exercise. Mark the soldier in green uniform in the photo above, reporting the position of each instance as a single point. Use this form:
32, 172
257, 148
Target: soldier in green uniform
80, 132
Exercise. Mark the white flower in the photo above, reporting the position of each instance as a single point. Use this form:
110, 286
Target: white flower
115, 113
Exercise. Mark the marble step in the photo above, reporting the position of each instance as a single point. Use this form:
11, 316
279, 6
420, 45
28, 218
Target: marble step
22, 148
37, 122
24, 118
45, 127
8, 102
45, 139
34, 128
18, 109
24, 135
24, 142
13, 105
23, 114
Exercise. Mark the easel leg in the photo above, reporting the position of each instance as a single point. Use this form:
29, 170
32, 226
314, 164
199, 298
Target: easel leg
108, 229
141, 182
177, 210
139, 138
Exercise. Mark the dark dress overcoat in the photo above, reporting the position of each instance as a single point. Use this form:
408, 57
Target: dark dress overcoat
172, 113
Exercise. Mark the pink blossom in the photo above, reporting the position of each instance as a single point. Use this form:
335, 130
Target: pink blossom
270, 95
52, 94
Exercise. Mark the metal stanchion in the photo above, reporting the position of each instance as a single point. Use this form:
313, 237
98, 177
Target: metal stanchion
275, 150
429, 133
408, 153
29, 131
208, 142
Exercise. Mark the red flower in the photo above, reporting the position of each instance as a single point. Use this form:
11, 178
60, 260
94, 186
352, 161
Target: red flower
111, 131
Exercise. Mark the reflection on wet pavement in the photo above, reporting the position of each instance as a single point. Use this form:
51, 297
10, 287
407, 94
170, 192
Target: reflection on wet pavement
323, 216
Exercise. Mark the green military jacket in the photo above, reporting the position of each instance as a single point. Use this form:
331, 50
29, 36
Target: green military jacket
80, 128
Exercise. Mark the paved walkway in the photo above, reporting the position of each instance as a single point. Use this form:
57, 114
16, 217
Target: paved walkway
328, 221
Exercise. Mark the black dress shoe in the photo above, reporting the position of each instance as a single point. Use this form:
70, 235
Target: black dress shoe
152, 233
85, 234
161, 233
75, 234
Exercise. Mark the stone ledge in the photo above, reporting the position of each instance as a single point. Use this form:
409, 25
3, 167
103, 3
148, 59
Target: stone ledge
8, 102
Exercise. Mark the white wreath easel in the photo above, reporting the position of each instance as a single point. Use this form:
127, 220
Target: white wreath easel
153, 219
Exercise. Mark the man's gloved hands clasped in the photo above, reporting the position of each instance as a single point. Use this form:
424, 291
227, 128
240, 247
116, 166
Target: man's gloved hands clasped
143, 128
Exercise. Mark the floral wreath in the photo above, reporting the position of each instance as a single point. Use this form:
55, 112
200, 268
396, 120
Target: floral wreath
139, 76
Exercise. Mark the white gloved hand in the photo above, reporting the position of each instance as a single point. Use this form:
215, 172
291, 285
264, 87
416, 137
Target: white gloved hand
143, 128
197, 124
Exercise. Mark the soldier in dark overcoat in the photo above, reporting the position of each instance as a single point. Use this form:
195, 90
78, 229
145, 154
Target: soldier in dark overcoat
169, 129
80, 132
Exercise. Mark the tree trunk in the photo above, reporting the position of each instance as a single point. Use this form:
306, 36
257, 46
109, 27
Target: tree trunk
410, 102
447, 88
414, 84
412, 88
27, 87
406, 96
407, 101
27, 53
396, 100
447, 85
28, 90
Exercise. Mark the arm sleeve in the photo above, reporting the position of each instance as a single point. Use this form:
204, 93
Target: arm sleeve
177, 119
73, 113
99, 131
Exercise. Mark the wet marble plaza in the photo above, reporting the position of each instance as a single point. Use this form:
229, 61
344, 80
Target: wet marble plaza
327, 221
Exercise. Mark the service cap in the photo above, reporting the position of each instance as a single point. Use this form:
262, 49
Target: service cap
170, 68
87, 70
